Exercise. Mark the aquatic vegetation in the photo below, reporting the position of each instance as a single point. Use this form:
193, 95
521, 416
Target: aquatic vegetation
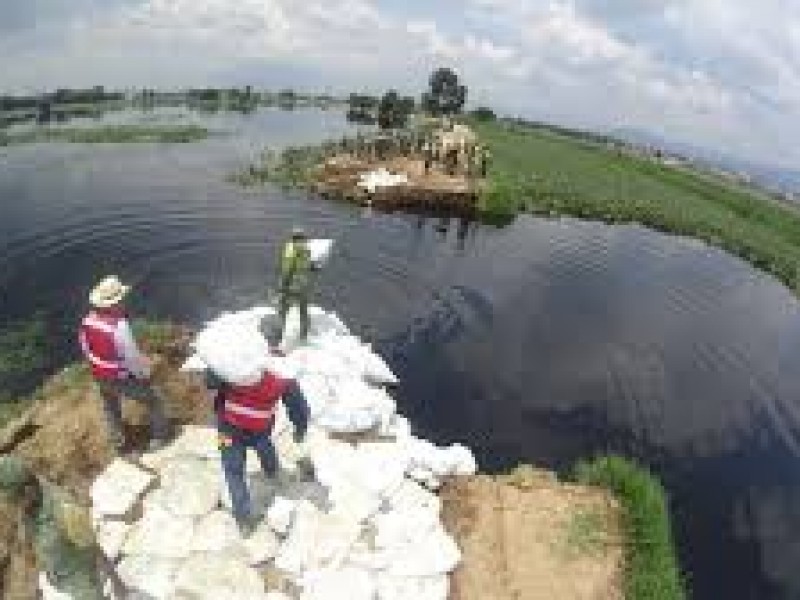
292, 167
116, 134
652, 571
23, 348
542, 172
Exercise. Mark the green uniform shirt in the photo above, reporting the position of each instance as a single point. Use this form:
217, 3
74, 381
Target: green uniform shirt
295, 269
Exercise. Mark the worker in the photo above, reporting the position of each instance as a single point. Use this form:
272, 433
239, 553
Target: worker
294, 283
245, 419
60, 528
118, 366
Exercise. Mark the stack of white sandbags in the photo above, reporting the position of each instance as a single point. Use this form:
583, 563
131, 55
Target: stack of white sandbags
381, 178
367, 526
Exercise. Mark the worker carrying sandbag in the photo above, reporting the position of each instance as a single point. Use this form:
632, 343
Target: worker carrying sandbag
294, 283
60, 528
245, 413
118, 366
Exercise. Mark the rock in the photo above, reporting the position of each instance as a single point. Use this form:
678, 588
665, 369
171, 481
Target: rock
277, 596
414, 544
217, 533
160, 534
214, 576
281, 514
189, 487
147, 577
111, 536
262, 545
116, 491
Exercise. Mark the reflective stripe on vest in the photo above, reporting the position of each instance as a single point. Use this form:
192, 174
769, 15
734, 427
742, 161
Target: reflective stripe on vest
253, 407
98, 341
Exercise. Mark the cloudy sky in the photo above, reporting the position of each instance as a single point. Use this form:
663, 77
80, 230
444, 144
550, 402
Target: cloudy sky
724, 74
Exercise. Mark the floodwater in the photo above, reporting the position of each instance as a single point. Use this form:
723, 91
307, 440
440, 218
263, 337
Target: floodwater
543, 341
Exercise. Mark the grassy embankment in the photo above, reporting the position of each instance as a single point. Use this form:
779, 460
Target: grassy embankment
290, 168
112, 134
651, 566
541, 172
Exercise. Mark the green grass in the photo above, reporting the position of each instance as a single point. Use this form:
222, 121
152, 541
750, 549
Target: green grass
538, 171
23, 347
652, 571
112, 134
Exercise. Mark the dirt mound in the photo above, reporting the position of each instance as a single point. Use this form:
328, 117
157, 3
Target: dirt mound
62, 436
528, 536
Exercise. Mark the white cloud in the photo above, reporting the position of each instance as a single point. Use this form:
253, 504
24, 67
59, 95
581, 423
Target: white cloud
708, 71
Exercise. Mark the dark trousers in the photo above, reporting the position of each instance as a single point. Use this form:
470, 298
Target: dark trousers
112, 391
287, 300
234, 443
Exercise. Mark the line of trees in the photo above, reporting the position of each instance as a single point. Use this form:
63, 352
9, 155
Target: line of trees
445, 96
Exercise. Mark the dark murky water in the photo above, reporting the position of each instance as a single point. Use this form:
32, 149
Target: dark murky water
544, 341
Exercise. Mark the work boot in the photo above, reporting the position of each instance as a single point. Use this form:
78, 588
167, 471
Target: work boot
156, 444
246, 525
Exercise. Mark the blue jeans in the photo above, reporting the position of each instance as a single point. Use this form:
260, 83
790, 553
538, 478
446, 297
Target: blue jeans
237, 441
234, 443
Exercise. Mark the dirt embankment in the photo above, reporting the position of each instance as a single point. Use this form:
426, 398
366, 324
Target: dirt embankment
526, 536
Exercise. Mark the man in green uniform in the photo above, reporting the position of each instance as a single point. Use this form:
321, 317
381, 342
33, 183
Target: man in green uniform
295, 282
61, 529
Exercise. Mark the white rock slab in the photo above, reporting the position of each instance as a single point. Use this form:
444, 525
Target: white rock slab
119, 488
160, 534
111, 536
148, 577
213, 577
189, 487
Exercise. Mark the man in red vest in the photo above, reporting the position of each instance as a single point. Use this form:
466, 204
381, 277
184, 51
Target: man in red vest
117, 365
245, 419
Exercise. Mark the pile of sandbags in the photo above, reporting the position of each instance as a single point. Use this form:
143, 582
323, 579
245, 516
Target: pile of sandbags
367, 525
381, 178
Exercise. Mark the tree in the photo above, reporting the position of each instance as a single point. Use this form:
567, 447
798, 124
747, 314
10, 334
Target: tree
484, 113
446, 95
394, 111
363, 108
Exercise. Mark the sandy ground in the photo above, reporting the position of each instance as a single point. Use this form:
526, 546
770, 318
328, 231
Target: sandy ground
528, 537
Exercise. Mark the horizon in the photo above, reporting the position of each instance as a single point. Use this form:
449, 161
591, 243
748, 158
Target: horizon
696, 72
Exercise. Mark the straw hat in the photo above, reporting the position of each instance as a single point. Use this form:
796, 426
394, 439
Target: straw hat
109, 292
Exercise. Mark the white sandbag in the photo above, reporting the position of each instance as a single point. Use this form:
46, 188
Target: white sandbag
160, 534
348, 583
147, 577
118, 489
49, 592
111, 537
234, 348
392, 587
320, 250
214, 576
280, 515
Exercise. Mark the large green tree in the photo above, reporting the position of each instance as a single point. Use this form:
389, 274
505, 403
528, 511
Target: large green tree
446, 95
394, 110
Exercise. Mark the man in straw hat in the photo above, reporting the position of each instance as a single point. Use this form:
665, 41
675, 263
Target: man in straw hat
118, 366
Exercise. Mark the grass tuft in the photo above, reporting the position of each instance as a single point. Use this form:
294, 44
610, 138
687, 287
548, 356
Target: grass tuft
112, 134
652, 571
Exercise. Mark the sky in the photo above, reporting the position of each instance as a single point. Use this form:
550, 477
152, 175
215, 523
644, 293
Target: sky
721, 74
